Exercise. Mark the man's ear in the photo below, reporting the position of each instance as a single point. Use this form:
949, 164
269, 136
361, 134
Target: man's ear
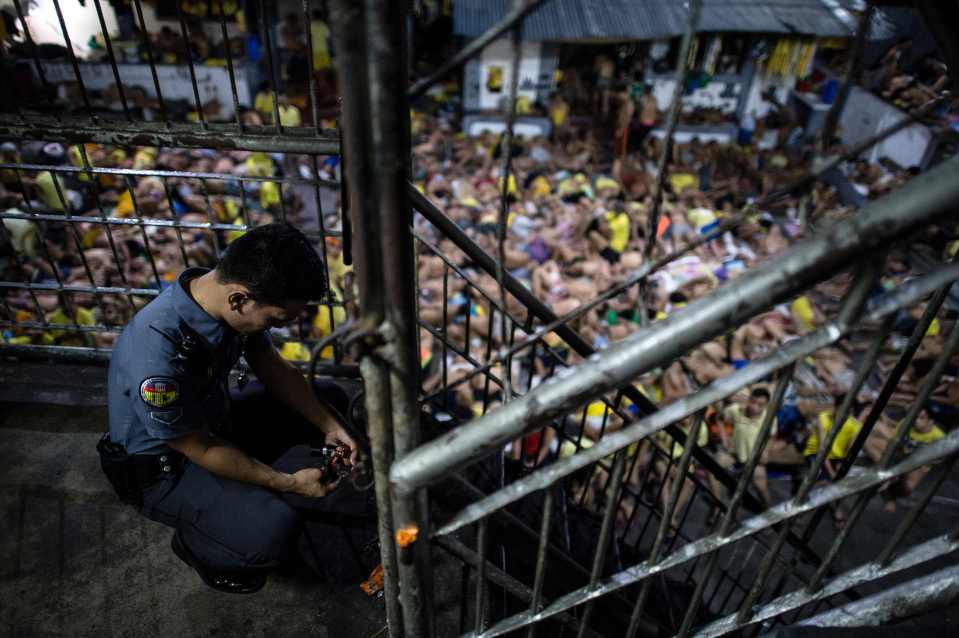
236, 299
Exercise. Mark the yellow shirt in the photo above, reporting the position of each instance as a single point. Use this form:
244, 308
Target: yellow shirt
323, 327
842, 443
745, 430
263, 103
319, 33
290, 116
803, 313
23, 235
619, 224
558, 113
682, 181
48, 191
295, 351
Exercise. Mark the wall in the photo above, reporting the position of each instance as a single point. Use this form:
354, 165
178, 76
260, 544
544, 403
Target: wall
865, 115
499, 54
81, 21
722, 93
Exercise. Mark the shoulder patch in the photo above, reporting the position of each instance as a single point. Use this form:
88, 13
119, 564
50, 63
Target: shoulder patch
160, 391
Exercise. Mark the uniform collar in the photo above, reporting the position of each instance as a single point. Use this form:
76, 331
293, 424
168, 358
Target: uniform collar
190, 311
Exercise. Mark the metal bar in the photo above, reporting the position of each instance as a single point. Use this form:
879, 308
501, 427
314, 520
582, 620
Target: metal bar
519, 11
143, 172
230, 69
314, 96
33, 49
682, 63
605, 535
506, 148
937, 590
176, 135
715, 391
541, 552
482, 589
108, 41
73, 61
851, 73
127, 221
892, 218
918, 555
189, 59
265, 28
145, 36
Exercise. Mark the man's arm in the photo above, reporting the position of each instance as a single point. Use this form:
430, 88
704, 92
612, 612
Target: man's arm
287, 384
223, 459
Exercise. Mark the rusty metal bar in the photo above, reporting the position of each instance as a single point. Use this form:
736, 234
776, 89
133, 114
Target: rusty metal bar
936, 548
177, 135
230, 70
682, 64
73, 62
189, 59
145, 36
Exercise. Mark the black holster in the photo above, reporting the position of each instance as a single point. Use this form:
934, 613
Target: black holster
128, 473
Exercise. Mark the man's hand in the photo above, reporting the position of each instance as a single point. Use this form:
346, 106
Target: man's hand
307, 482
338, 436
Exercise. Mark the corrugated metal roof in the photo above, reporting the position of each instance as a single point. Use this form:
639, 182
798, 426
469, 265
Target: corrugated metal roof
566, 20
617, 20
807, 17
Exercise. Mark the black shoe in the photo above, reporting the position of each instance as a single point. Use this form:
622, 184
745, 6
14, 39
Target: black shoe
229, 582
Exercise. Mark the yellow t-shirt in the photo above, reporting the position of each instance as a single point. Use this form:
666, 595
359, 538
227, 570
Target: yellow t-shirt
263, 103
48, 191
842, 443
675, 449
323, 327
682, 181
558, 113
619, 224
803, 313
290, 116
701, 217
319, 33
745, 430
294, 351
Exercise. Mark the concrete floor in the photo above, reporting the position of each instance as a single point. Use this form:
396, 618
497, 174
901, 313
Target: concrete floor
75, 562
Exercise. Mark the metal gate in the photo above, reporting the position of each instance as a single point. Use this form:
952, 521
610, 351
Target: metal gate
447, 507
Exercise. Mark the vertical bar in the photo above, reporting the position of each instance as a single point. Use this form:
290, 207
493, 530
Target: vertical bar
209, 215
230, 69
143, 232
268, 41
605, 535
179, 233
152, 62
189, 60
481, 585
33, 49
113, 61
851, 74
314, 97
506, 145
541, 551
73, 62
695, 6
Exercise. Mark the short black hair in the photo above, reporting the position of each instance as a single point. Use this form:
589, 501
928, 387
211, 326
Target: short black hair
760, 392
277, 263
